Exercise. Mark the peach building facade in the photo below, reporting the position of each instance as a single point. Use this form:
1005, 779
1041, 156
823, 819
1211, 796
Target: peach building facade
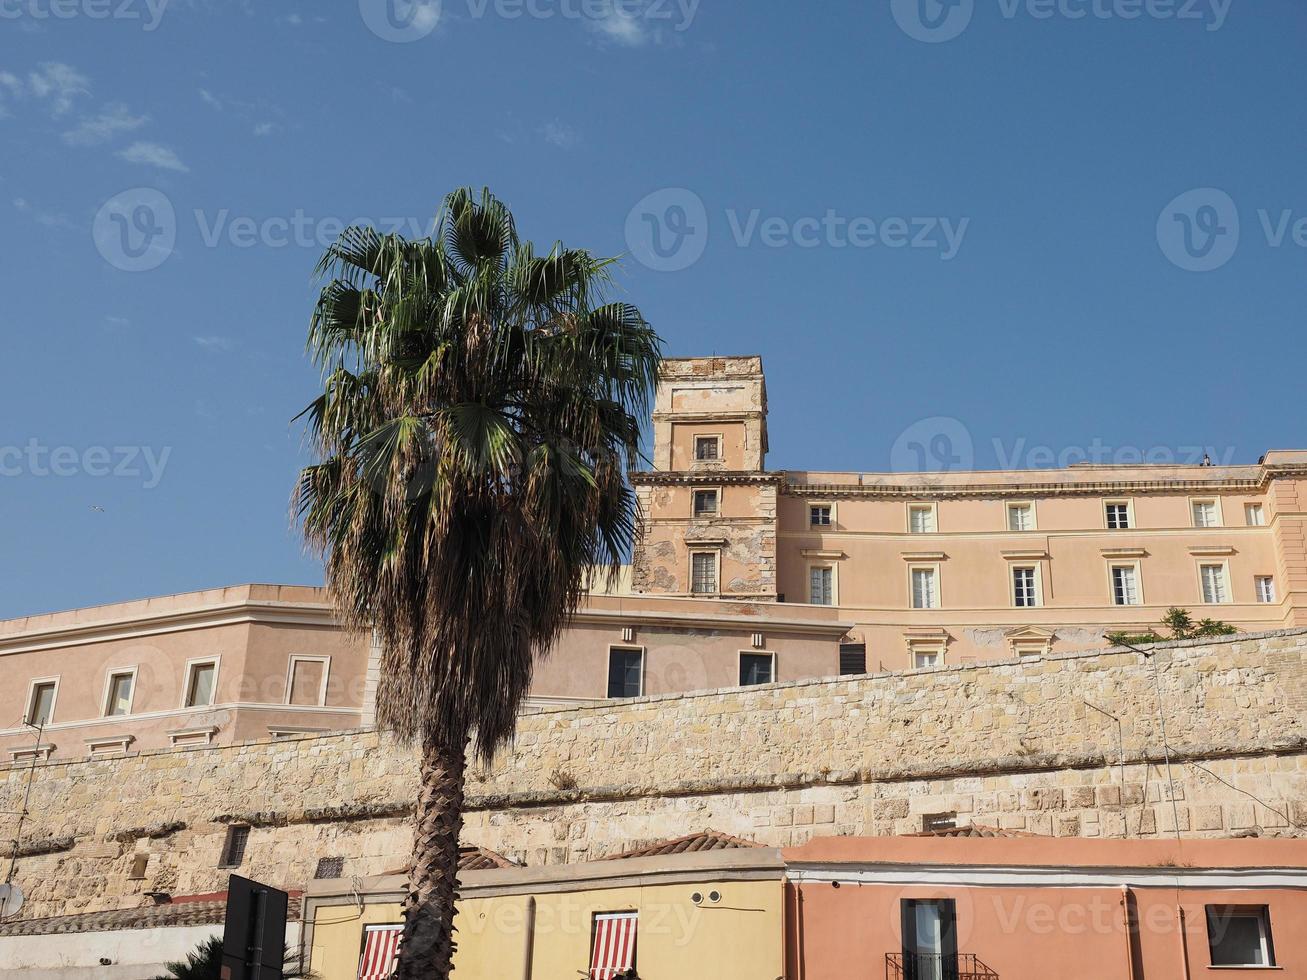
952, 567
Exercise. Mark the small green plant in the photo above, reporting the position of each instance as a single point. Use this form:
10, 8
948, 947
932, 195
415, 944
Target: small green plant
205, 963
1181, 625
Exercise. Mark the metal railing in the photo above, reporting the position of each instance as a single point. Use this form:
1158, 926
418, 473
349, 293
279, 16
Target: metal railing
923, 966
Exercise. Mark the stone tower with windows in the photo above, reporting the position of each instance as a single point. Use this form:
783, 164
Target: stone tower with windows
709, 504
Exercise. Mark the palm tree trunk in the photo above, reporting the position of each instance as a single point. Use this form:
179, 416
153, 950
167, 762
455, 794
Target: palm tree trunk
427, 949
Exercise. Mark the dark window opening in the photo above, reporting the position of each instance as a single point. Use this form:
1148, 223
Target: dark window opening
939, 821
625, 668
233, 850
331, 867
853, 658
756, 668
1240, 935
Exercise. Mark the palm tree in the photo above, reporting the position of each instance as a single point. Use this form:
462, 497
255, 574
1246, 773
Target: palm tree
205, 963
481, 409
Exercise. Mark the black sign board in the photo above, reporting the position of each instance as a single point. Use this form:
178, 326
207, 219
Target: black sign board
254, 937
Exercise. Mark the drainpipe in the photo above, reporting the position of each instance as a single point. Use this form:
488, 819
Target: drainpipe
1184, 942
799, 955
1129, 949
528, 941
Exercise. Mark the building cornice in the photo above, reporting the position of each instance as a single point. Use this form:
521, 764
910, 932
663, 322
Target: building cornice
699, 477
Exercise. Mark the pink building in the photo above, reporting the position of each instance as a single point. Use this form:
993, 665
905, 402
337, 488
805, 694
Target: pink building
981, 905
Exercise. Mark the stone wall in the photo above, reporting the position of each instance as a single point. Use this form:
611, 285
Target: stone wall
1011, 744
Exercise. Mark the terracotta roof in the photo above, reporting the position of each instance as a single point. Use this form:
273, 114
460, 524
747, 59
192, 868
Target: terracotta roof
708, 840
975, 830
173, 914
472, 859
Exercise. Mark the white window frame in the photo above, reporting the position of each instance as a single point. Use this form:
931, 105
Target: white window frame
717, 570
191, 664
1269, 596
108, 691
297, 658
30, 705
758, 653
933, 568
1263, 916
1254, 508
626, 648
829, 505
932, 508
1139, 583
1218, 513
1129, 504
1037, 568
939, 651
1012, 505
708, 514
1226, 582
834, 581
708, 437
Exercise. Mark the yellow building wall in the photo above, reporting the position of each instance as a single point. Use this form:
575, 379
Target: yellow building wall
740, 936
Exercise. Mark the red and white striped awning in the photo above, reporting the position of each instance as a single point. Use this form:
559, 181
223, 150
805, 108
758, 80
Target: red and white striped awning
614, 950
380, 950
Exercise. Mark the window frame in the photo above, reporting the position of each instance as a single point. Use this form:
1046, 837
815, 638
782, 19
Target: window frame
770, 655
191, 665
1273, 596
225, 857
833, 567
1254, 507
312, 658
30, 711
1226, 582
1139, 583
706, 515
644, 667
1262, 913
1129, 504
716, 554
713, 437
926, 650
1011, 505
931, 507
937, 578
1037, 569
830, 516
1217, 511
108, 691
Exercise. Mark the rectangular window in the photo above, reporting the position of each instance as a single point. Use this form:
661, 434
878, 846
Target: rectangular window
705, 503
199, 685
819, 515
1205, 513
703, 573
1216, 589
853, 659
612, 953
625, 672
380, 953
1240, 935
308, 681
757, 668
934, 822
707, 448
929, 939
1265, 588
925, 589
1020, 517
1118, 516
1025, 590
1125, 585
233, 849
921, 659
821, 585
40, 707
921, 518
119, 699
1254, 515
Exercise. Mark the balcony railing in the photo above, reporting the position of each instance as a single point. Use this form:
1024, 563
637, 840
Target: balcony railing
922, 966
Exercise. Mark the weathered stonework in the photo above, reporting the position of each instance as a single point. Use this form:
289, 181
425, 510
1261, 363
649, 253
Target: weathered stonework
1012, 744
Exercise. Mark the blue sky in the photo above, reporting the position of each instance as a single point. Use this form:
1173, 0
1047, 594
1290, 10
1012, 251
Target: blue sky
1007, 223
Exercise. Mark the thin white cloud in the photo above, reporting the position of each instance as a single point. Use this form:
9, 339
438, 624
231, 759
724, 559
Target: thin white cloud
619, 24
265, 129
113, 119
58, 85
559, 134
215, 343
153, 155
211, 99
